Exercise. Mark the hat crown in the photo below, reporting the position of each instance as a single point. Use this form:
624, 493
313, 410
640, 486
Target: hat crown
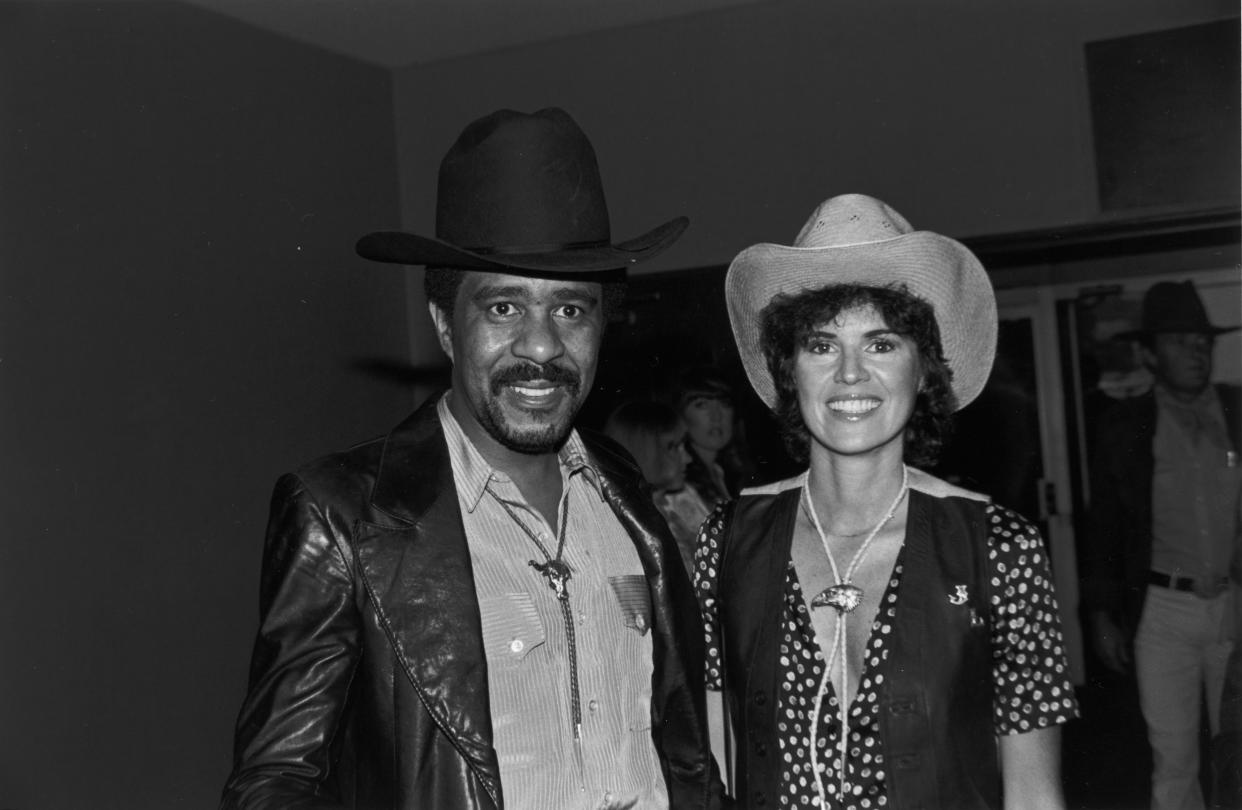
851, 219
519, 183
1171, 306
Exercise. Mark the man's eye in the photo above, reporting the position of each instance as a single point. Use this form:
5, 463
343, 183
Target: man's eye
571, 311
502, 309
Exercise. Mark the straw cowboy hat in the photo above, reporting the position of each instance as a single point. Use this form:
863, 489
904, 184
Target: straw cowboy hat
521, 193
856, 239
1172, 306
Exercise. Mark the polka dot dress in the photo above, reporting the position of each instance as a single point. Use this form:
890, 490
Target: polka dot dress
1031, 685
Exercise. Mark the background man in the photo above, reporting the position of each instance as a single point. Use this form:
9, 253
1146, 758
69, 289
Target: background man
484, 608
1164, 533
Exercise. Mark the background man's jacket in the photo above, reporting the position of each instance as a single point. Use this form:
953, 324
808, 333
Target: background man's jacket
1117, 548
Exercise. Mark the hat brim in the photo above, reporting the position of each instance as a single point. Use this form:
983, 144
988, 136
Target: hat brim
398, 247
935, 268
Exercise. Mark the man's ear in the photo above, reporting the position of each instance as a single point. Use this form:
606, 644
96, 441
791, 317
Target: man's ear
443, 323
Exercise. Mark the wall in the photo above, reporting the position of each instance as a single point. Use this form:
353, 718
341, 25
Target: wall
970, 117
180, 317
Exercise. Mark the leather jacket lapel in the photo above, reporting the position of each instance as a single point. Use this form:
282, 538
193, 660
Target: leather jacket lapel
418, 574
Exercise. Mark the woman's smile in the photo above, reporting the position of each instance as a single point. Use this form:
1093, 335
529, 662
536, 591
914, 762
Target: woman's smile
853, 408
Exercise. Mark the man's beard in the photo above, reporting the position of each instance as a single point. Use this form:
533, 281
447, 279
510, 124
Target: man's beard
537, 440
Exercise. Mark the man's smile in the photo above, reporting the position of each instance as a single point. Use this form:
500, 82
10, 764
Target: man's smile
537, 394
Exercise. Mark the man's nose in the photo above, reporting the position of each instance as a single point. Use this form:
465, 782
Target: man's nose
539, 340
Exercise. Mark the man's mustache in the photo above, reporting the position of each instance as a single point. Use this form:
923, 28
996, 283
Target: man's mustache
528, 372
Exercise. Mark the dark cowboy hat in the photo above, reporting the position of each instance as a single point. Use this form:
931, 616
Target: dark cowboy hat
1173, 306
520, 193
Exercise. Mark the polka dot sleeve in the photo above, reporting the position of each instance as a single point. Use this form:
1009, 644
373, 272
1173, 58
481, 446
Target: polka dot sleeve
706, 568
1029, 671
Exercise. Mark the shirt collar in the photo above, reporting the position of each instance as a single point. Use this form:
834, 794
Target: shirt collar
1201, 418
1205, 401
472, 473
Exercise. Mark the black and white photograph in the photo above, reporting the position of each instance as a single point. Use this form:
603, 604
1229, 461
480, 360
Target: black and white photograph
620, 405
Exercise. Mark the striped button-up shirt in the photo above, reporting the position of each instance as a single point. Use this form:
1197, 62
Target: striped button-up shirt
526, 645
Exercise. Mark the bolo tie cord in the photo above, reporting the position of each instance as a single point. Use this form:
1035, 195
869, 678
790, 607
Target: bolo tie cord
839, 637
557, 574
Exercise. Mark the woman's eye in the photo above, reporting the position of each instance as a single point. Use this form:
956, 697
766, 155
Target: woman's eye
818, 346
884, 345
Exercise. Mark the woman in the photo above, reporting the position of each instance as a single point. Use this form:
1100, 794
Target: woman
865, 612
655, 436
717, 463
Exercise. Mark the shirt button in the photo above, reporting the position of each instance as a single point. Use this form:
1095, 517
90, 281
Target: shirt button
593, 705
517, 645
581, 618
608, 797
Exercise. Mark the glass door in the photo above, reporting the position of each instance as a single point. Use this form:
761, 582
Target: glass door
1010, 443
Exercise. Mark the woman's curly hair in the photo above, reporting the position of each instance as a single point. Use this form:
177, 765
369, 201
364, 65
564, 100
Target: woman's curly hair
788, 320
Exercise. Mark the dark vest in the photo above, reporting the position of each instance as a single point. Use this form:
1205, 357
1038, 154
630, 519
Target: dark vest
936, 700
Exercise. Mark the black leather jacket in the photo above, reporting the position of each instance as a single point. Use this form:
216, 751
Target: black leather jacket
368, 684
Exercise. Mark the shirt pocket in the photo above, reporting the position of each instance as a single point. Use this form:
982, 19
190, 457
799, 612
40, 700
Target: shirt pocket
634, 600
512, 628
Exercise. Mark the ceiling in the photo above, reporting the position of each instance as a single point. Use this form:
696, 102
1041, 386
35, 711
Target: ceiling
395, 33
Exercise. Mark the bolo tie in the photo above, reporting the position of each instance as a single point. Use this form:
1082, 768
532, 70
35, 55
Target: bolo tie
842, 596
556, 572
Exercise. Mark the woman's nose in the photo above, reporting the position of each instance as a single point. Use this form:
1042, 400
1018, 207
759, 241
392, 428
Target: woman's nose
539, 341
852, 369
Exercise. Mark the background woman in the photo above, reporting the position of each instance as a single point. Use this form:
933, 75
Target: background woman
883, 638
655, 436
718, 465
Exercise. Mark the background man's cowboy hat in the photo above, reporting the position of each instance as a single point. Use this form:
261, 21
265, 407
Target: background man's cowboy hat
520, 193
1173, 306
856, 239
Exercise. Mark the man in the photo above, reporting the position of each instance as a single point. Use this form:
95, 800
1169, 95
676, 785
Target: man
1164, 535
484, 609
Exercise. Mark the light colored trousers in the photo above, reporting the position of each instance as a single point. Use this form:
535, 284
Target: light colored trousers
1180, 650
